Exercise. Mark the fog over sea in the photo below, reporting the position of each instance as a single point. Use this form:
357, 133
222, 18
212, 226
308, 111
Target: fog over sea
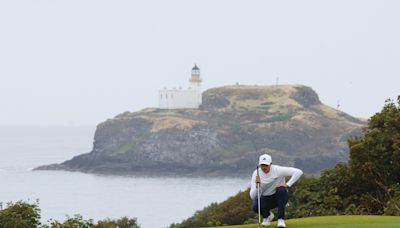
154, 201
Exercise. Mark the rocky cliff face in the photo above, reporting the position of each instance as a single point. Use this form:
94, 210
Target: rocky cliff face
234, 125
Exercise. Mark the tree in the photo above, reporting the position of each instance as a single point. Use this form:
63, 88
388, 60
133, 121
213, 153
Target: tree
20, 215
123, 222
375, 159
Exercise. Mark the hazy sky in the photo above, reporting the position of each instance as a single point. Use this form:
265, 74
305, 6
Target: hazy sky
81, 62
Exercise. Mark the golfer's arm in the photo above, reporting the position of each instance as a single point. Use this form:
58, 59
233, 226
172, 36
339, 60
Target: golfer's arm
294, 174
253, 188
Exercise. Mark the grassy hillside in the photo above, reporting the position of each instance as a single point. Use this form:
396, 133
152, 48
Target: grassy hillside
338, 222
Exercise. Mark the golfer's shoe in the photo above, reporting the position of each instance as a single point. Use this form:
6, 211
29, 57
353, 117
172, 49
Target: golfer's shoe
281, 223
267, 220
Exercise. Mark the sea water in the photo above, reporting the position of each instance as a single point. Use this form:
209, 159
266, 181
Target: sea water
156, 201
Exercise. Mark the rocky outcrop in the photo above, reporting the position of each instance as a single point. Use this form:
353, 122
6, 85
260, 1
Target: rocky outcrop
305, 96
233, 126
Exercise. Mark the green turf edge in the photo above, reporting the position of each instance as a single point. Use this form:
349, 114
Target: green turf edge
353, 221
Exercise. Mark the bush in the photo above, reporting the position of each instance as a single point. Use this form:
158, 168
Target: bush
73, 222
20, 215
78, 222
25, 215
123, 222
234, 210
393, 206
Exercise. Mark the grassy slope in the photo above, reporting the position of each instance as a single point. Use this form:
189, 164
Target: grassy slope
338, 222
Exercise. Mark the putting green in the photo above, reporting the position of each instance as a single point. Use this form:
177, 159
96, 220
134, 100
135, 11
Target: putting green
346, 221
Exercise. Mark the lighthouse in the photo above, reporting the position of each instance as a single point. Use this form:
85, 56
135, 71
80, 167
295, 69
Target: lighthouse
195, 83
183, 98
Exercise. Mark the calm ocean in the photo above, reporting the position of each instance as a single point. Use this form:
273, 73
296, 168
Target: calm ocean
154, 201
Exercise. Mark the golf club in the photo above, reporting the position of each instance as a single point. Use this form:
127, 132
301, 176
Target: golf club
258, 196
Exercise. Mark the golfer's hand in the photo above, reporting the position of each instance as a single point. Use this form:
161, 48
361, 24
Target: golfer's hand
282, 185
257, 180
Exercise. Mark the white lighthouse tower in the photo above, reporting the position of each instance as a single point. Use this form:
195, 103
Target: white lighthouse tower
195, 83
183, 98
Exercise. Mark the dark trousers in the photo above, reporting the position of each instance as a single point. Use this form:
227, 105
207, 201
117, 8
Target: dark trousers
277, 200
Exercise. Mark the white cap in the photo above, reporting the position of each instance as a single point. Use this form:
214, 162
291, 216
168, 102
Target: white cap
265, 159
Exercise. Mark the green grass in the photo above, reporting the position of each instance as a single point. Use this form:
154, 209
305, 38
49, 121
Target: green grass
349, 221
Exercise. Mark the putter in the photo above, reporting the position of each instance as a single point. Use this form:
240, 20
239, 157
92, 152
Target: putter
258, 196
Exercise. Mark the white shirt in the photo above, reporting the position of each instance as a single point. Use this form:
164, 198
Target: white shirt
269, 180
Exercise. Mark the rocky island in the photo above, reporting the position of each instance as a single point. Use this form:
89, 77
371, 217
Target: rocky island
225, 136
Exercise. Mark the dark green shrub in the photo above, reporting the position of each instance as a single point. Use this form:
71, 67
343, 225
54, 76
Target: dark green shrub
20, 215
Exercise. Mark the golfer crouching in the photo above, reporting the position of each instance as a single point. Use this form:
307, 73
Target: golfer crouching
273, 192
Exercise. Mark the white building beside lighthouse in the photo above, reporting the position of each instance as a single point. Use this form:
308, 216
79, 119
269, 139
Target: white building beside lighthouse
183, 98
